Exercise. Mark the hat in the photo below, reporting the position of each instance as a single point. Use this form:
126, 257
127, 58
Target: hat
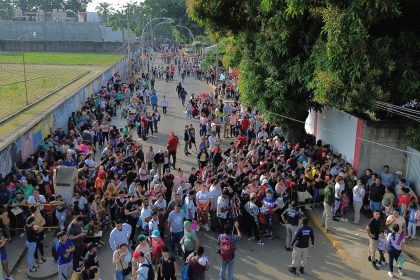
141, 237
398, 173
92, 245
187, 223
265, 181
155, 233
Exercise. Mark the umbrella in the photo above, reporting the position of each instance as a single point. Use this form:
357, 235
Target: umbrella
203, 95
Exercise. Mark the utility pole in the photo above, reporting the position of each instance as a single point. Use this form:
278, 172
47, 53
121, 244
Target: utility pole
22, 42
128, 40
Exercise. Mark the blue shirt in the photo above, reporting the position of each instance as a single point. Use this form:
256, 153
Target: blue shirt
177, 221
61, 251
154, 99
411, 216
303, 235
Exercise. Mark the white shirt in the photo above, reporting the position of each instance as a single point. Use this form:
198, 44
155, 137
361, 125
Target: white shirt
338, 190
358, 193
189, 205
164, 103
212, 142
203, 197
41, 199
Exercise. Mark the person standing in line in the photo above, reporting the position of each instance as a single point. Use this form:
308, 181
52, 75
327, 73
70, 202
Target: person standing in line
121, 259
373, 230
227, 243
302, 240
175, 222
339, 187
120, 234
65, 249
164, 104
251, 216
31, 234
291, 218
154, 101
395, 240
358, 196
189, 241
328, 207
76, 235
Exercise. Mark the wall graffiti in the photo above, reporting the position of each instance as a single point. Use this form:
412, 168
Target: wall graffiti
25, 145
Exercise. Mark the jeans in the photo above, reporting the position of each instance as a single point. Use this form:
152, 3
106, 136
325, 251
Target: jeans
119, 275
375, 206
65, 271
31, 250
230, 268
175, 239
173, 155
411, 228
164, 109
393, 255
337, 203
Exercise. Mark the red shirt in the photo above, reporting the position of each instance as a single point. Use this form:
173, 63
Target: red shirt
245, 124
157, 248
172, 143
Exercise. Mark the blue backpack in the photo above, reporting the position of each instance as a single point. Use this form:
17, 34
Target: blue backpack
185, 273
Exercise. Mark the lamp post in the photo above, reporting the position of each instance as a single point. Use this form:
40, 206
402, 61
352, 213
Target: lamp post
189, 31
142, 36
22, 44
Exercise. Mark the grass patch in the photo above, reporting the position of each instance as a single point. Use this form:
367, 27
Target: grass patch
59, 58
41, 80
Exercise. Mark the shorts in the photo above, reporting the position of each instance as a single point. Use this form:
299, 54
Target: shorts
3, 256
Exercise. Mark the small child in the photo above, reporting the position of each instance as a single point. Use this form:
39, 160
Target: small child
413, 219
381, 247
344, 206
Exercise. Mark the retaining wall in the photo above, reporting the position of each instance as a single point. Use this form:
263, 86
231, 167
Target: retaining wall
27, 143
60, 46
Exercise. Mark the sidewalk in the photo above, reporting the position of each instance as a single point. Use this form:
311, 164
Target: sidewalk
351, 242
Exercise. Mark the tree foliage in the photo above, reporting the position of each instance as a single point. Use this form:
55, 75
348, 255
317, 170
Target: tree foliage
6, 10
296, 55
49, 5
104, 10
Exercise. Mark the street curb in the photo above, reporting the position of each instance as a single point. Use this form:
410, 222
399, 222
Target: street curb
412, 256
333, 240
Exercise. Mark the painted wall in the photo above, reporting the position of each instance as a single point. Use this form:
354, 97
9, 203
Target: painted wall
27, 143
60, 46
335, 128
413, 168
375, 156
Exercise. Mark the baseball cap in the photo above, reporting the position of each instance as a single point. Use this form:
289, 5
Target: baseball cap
398, 173
155, 233
187, 223
141, 237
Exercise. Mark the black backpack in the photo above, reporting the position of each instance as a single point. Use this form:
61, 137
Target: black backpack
150, 272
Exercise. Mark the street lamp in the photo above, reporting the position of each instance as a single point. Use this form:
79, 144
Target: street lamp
142, 35
189, 31
22, 44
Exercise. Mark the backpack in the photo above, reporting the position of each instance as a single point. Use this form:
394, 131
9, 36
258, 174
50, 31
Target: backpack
150, 272
185, 272
226, 250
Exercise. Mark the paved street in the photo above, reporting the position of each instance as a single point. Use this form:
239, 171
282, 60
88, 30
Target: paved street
253, 262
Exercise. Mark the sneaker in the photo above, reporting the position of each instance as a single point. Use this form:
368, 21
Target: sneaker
259, 242
346, 220
369, 259
335, 219
301, 270
390, 274
383, 263
378, 265
400, 272
10, 277
292, 270
375, 266
343, 219
287, 249
251, 238
269, 237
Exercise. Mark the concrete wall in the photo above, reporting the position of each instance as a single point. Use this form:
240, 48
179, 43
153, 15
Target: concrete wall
28, 141
60, 46
58, 31
354, 137
335, 128
413, 168
375, 156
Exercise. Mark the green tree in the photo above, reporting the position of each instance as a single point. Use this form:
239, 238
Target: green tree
76, 5
118, 20
296, 55
7, 10
104, 10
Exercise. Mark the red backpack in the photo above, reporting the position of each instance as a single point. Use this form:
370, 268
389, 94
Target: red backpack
226, 250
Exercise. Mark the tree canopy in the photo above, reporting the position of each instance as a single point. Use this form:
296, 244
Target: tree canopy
296, 55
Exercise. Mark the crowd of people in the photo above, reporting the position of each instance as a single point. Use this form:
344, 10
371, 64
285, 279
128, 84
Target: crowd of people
154, 210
